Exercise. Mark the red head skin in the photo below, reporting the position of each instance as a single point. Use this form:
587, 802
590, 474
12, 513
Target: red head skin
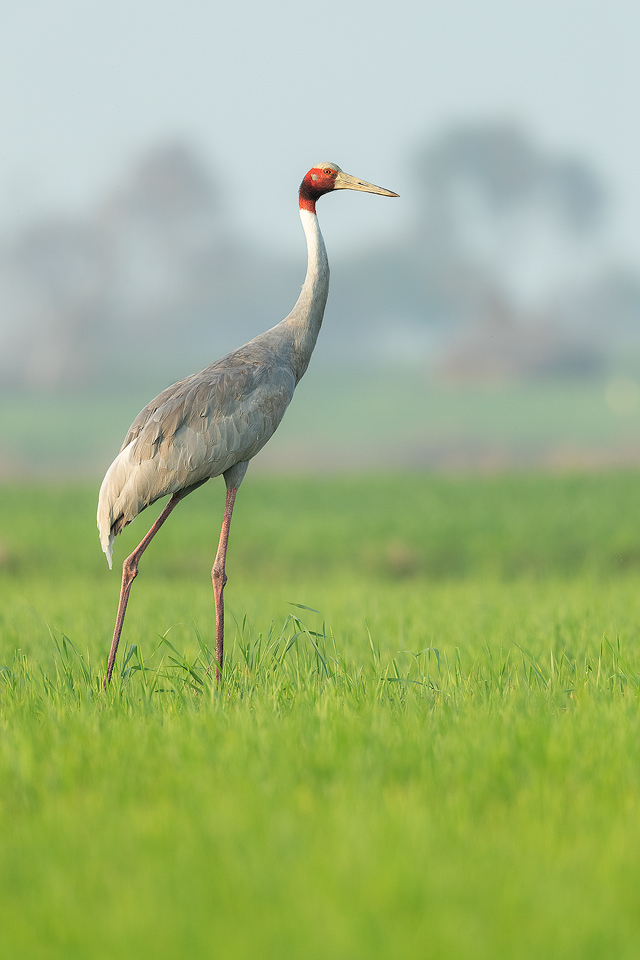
318, 181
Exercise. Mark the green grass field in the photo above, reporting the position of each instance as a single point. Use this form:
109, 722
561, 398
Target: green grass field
426, 742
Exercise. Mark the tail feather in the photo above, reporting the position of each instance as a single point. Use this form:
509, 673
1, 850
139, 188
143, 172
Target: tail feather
108, 549
106, 525
111, 515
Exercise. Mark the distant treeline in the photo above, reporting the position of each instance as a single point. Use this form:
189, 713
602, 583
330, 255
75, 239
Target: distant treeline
503, 274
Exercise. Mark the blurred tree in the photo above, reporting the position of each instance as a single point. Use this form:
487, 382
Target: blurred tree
165, 234
96, 298
508, 235
498, 207
53, 298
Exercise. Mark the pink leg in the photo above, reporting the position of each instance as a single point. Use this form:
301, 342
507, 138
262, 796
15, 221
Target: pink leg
219, 578
129, 573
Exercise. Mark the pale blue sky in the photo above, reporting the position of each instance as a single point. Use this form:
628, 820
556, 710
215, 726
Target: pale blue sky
266, 89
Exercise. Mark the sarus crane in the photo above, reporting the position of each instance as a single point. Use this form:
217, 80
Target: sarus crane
213, 422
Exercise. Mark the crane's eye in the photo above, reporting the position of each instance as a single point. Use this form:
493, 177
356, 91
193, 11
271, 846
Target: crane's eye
327, 170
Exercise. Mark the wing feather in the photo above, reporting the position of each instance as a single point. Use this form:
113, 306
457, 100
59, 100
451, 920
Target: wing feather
192, 431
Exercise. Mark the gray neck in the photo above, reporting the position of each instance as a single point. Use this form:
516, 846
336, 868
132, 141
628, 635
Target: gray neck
303, 323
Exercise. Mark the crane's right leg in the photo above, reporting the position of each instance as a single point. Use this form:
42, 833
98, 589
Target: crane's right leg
129, 573
219, 578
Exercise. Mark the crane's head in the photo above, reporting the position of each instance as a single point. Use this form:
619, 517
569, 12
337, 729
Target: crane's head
325, 177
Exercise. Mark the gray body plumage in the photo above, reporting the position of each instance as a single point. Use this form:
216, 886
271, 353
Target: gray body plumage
213, 422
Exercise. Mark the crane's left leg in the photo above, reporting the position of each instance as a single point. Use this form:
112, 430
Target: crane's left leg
129, 573
219, 577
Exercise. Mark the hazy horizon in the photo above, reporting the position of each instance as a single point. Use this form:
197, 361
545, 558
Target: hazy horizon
264, 92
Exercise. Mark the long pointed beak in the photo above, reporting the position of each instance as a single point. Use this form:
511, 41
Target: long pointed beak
344, 181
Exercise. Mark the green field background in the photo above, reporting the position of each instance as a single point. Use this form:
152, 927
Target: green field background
426, 742
345, 419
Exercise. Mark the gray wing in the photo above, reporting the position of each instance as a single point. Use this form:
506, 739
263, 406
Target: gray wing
196, 429
212, 419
